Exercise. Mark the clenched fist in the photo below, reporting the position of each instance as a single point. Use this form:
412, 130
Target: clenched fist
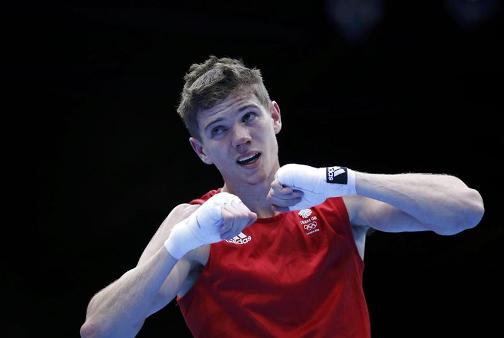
222, 216
299, 186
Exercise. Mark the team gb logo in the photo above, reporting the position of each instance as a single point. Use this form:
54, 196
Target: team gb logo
305, 213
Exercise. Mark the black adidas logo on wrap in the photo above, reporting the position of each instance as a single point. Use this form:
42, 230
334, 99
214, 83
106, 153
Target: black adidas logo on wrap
337, 175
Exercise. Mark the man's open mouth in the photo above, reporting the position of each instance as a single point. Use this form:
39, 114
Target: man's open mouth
249, 159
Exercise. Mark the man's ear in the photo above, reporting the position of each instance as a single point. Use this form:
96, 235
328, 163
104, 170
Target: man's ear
198, 149
275, 115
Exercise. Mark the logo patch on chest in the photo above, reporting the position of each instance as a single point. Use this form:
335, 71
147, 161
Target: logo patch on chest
309, 221
240, 239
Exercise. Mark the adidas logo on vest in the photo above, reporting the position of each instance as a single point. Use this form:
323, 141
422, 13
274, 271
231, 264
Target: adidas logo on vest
240, 239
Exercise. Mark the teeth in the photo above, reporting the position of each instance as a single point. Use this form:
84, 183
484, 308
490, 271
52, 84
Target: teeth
246, 158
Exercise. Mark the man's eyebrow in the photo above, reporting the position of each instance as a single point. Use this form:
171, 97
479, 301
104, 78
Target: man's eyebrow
248, 106
213, 122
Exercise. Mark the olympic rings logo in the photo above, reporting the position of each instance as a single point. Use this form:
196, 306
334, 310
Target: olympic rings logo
310, 226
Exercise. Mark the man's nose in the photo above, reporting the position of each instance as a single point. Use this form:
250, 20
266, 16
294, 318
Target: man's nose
241, 136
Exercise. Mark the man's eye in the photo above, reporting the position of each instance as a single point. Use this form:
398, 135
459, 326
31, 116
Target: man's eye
250, 116
217, 130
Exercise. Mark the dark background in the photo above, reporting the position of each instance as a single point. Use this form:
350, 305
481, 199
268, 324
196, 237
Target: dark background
106, 158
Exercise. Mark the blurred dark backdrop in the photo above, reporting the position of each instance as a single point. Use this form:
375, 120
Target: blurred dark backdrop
378, 86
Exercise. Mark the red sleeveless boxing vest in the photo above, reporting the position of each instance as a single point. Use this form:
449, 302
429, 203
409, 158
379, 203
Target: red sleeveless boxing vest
297, 274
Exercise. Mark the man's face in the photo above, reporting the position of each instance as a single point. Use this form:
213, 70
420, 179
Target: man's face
238, 136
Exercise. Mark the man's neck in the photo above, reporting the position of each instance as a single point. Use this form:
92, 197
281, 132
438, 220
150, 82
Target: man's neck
254, 196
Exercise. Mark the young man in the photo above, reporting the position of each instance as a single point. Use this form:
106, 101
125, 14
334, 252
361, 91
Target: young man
277, 251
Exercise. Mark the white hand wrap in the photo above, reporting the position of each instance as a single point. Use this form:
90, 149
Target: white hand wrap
201, 228
317, 184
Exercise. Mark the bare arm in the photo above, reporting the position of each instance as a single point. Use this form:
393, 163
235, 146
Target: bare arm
414, 202
393, 203
120, 309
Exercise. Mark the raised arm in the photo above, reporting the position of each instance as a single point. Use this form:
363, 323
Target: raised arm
393, 203
120, 309
415, 202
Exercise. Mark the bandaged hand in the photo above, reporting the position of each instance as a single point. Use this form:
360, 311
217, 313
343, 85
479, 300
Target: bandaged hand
222, 216
299, 186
